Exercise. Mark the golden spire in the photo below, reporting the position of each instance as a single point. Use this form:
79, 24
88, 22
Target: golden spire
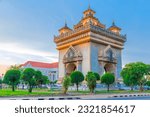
113, 23
64, 29
89, 7
114, 28
65, 23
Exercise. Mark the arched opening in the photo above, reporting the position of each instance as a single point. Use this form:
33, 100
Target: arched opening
109, 68
70, 68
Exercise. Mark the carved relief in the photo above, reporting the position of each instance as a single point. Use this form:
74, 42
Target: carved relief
72, 55
107, 55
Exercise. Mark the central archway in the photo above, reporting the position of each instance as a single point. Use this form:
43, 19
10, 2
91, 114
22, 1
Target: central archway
70, 68
109, 67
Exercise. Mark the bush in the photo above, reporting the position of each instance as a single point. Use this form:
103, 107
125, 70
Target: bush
91, 81
148, 83
1, 81
77, 77
108, 79
97, 76
66, 83
12, 78
28, 76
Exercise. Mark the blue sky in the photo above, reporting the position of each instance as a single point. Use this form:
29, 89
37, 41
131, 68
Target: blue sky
27, 27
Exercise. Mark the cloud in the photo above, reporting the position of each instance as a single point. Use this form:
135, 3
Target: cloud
15, 53
19, 49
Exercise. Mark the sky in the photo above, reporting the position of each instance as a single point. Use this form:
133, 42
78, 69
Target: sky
27, 27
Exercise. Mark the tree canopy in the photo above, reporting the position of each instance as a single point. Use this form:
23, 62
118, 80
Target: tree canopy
16, 67
97, 76
1, 81
148, 83
28, 76
38, 77
76, 77
108, 79
91, 79
66, 83
12, 78
133, 74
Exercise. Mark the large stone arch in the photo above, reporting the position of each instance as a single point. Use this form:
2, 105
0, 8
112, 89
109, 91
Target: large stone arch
107, 55
109, 67
107, 60
70, 68
72, 60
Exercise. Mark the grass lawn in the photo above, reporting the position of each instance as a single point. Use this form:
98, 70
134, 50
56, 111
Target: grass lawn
47, 92
36, 92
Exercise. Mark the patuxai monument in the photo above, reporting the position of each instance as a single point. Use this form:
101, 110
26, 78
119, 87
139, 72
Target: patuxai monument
90, 46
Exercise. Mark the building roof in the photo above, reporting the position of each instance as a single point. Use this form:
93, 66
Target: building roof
89, 17
41, 64
114, 26
89, 10
65, 27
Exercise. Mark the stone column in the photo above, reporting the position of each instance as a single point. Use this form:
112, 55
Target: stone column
79, 66
102, 70
64, 69
115, 72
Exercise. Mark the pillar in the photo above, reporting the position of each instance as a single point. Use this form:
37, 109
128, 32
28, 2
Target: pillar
65, 69
79, 66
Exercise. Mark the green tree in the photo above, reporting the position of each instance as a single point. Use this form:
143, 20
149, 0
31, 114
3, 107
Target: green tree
12, 78
91, 79
53, 82
139, 71
77, 77
16, 67
97, 76
127, 79
45, 80
38, 77
1, 81
148, 83
28, 76
41, 79
108, 79
66, 83
134, 73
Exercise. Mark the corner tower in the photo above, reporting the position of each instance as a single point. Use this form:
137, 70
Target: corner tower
90, 46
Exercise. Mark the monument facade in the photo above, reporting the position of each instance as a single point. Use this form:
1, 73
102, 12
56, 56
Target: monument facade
90, 46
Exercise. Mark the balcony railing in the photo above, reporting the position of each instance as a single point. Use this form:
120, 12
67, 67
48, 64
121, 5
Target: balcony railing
93, 28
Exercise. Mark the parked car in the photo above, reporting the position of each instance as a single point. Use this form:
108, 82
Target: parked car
124, 88
146, 87
56, 86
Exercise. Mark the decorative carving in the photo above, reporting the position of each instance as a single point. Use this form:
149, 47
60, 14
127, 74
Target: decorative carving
72, 55
91, 27
107, 55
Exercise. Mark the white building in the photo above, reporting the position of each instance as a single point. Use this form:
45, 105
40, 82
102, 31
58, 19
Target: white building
48, 69
90, 46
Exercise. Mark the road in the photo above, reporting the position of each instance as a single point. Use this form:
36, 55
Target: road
124, 98
137, 96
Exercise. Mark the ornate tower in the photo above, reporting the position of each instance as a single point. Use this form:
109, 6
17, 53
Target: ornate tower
90, 46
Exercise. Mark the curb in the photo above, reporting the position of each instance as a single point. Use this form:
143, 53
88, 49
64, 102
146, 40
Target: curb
131, 95
69, 98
